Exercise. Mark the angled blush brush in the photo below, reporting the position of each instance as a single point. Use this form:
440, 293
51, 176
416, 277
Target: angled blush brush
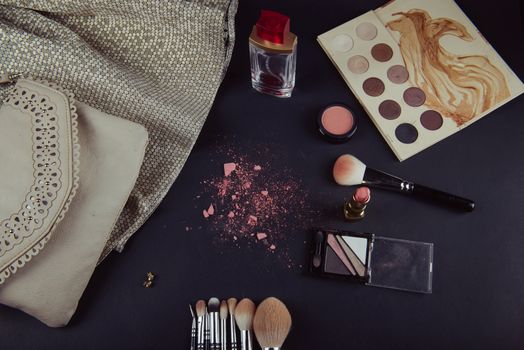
349, 170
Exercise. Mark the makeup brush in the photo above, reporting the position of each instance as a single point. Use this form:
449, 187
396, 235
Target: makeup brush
244, 313
271, 324
193, 329
349, 171
201, 316
231, 306
207, 331
222, 340
214, 326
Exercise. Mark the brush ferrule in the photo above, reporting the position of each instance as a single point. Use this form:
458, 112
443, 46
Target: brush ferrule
193, 334
245, 340
215, 331
223, 334
233, 332
200, 332
207, 333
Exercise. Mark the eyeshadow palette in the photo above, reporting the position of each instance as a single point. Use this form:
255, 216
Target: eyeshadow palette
421, 70
373, 260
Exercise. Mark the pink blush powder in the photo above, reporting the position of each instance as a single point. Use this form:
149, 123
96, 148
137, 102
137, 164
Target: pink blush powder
337, 120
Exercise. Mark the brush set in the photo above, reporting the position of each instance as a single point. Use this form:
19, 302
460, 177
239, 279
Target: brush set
215, 324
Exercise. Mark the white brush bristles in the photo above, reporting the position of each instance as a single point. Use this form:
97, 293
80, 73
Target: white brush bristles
271, 323
348, 170
244, 313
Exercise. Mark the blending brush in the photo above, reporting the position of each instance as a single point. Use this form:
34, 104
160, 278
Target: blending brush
244, 313
231, 305
201, 317
214, 326
349, 171
271, 324
193, 329
222, 340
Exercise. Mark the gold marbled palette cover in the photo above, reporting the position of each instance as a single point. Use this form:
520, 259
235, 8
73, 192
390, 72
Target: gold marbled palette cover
462, 76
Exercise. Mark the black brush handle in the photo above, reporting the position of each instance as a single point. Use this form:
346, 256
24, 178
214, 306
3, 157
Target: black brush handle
443, 197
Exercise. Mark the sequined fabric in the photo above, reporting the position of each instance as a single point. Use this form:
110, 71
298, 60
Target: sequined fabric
157, 63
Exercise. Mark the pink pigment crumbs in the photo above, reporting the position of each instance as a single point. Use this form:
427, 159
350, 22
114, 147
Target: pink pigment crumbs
257, 207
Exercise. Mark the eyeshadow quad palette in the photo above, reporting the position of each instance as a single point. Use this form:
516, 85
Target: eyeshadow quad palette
421, 70
373, 260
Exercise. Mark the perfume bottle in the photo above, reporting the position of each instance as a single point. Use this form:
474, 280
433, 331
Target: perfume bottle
273, 55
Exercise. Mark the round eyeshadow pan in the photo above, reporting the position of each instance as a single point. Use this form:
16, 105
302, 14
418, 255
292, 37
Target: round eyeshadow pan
358, 64
398, 74
366, 31
414, 96
337, 123
389, 109
382, 52
342, 43
431, 120
406, 133
373, 87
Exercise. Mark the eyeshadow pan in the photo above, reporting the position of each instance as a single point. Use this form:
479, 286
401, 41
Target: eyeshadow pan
414, 96
358, 64
342, 43
355, 261
389, 109
431, 120
406, 133
333, 243
332, 264
382, 52
373, 87
366, 31
398, 74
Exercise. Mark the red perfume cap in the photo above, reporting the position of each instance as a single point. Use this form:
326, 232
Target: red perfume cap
272, 26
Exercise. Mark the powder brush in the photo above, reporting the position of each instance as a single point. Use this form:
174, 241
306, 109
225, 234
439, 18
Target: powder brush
231, 306
201, 314
349, 170
244, 313
271, 324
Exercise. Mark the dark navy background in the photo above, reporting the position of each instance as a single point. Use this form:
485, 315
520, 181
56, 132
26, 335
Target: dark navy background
478, 285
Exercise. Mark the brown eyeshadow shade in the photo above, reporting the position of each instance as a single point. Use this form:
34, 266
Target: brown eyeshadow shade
373, 87
389, 109
333, 264
414, 96
382, 52
406, 133
398, 74
431, 120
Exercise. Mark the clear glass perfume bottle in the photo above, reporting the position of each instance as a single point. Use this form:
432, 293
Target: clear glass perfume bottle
272, 51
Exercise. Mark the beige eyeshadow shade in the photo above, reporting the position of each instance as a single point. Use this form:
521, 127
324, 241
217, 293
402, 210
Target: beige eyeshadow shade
342, 43
398, 74
366, 31
337, 120
358, 64
382, 52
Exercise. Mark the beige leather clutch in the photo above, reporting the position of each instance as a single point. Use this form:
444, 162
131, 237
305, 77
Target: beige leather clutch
66, 172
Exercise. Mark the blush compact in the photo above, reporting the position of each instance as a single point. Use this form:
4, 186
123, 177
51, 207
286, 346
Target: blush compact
337, 123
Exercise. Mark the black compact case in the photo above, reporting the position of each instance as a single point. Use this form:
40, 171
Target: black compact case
373, 260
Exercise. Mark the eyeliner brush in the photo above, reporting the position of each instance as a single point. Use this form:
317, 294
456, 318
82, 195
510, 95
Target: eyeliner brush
193, 329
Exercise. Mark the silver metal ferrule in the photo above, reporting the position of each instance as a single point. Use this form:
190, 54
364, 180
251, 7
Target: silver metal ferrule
245, 340
193, 334
233, 332
200, 333
207, 332
223, 335
216, 330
